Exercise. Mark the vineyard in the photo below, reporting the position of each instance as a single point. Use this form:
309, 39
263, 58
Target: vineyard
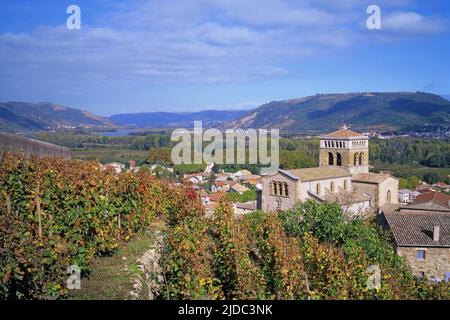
56, 213
307, 253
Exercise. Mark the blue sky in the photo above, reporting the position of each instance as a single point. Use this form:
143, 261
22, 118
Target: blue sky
178, 55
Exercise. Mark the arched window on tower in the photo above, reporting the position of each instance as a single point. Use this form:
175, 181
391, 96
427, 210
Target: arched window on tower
338, 159
272, 187
318, 189
330, 159
361, 158
355, 159
345, 185
389, 196
332, 186
286, 190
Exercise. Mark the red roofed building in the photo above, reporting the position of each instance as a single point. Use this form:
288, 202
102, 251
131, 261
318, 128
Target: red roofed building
433, 200
215, 197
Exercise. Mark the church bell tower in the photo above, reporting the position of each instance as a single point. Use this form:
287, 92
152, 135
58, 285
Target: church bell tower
346, 149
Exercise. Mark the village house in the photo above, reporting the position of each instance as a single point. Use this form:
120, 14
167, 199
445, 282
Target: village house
404, 196
433, 201
250, 177
423, 239
254, 183
195, 178
442, 186
208, 169
116, 166
154, 167
424, 188
223, 177
244, 208
239, 188
133, 166
213, 203
219, 186
204, 197
242, 173
342, 176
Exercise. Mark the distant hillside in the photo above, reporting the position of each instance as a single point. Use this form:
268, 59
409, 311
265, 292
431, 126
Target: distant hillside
363, 111
21, 116
319, 113
176, 119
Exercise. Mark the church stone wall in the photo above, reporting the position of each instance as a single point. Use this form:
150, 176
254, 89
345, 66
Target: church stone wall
325, 186
273, 203
379, 192
390, 184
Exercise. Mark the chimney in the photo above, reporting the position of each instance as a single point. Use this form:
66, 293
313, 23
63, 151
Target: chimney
436, 230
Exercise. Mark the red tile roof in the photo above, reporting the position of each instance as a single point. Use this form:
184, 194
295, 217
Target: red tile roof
246, 206
436, 197
203, 193
345, 133
417, 229
374, 178
215, 197
441, 185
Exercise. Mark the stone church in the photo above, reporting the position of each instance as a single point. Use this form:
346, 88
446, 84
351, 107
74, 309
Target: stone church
342, 177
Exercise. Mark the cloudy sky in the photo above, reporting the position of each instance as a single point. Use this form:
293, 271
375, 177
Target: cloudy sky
180, 55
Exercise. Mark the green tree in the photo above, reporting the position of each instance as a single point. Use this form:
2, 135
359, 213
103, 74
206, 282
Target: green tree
431, 177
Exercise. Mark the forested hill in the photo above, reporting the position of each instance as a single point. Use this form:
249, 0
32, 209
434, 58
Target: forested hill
320, 113
23, 116
363, 111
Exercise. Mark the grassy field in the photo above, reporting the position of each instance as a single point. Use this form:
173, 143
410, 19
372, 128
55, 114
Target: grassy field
404, 171
110, 155
112, 277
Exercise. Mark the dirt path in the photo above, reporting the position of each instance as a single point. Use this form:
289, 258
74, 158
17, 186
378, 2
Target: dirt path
113, 277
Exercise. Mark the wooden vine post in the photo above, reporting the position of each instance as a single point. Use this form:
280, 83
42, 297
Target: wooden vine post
8, 204
38, 212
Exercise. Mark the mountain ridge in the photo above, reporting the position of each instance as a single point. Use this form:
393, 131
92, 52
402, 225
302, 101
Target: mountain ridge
18, 116
373, 111
363, 111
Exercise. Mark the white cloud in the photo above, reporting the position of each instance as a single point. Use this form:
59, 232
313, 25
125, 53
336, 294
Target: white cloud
412, 23
216, 34
193, 41
275, 13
